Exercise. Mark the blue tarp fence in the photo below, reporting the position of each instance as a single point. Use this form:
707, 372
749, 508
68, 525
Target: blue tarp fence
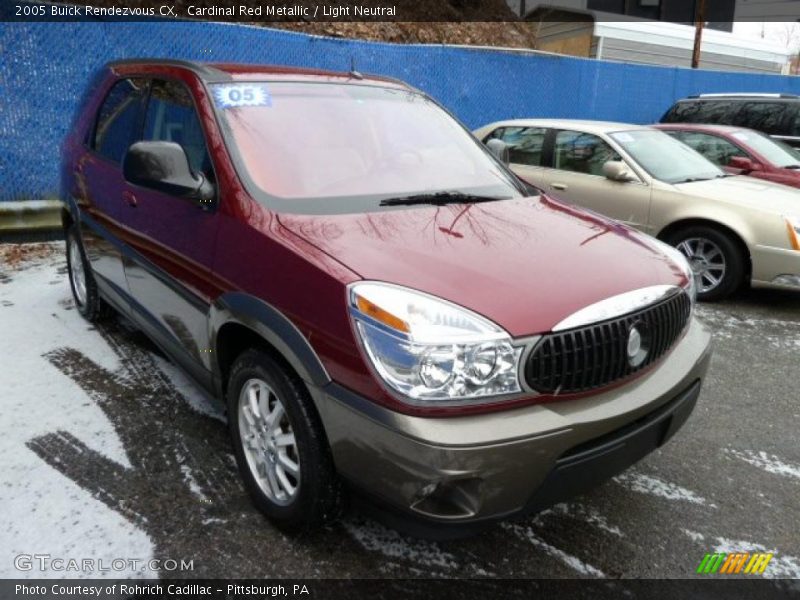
45, 67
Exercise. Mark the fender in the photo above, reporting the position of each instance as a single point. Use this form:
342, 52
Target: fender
274, 327
730, 219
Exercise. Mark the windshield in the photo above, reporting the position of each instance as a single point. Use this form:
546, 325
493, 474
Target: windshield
324, 141
665, 158
777, 153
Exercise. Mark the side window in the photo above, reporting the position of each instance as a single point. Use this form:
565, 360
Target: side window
171, 117
582, 152
762, 116
118, 118
716, 149
525, 144
702, 111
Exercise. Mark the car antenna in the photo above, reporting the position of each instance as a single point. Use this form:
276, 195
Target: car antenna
353, 73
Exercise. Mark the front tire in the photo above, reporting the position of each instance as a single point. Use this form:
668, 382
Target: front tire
81, 279
280, 446
716, 259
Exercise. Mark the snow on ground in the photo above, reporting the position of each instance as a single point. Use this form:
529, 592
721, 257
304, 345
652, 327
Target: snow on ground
769, 463
647, 484
42, 509
528, 534
375, 537
780, 567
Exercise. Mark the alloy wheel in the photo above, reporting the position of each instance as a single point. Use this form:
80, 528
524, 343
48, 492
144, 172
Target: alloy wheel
268, 441
77, 271
707, 261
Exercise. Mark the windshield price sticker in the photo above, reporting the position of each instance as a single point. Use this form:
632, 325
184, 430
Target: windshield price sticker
236, 95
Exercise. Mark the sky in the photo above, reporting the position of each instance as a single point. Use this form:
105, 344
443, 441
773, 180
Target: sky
780, 32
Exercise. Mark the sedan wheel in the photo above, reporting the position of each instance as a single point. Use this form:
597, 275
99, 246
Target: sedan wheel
717, 257
707, 261
269, 443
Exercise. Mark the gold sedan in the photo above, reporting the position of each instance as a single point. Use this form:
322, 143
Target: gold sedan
732, 228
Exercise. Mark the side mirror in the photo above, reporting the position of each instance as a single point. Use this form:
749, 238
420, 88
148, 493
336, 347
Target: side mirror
500, 149
164, 166
744, 164
616, 170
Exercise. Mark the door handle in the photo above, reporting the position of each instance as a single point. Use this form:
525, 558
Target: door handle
130, 198
559, 186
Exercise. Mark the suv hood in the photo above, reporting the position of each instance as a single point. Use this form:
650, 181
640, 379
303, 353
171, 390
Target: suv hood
747, 191
525, 263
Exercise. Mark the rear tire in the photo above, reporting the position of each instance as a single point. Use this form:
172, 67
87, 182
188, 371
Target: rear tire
280, 445
716, 259
81, 279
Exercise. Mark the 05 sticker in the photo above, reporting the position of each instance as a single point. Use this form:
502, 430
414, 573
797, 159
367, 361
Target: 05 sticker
236, 95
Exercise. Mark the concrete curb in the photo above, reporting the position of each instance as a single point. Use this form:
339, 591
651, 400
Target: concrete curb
30, 216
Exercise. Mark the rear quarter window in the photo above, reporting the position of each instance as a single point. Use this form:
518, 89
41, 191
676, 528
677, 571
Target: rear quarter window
703, 111
763, 116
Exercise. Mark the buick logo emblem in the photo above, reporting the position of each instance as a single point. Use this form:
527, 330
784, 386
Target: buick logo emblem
637, 349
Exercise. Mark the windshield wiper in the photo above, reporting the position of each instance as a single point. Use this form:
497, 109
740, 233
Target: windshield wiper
796, 166
439, 199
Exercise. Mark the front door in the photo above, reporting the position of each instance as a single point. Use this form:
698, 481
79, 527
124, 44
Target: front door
169, 275
575, 174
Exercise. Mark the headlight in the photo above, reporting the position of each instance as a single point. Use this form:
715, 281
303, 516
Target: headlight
431, 350
678, 258
793, 229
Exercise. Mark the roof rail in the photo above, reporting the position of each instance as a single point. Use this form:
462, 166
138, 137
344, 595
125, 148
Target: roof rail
745, 95
196, 67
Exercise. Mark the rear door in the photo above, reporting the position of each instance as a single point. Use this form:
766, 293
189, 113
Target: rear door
576, 175
174, 238
104, 203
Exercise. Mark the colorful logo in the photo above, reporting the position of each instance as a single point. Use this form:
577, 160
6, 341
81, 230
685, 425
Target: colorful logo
732, 563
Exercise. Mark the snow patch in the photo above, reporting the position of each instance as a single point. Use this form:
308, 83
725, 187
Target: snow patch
647, 484
44, 511
587, 514
527, 534
767, 462
780, 567
694, 535
374, 537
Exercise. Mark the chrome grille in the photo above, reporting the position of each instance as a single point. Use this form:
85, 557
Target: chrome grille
585, 358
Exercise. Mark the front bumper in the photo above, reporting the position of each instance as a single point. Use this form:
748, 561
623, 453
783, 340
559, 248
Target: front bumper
777, 268
449, 475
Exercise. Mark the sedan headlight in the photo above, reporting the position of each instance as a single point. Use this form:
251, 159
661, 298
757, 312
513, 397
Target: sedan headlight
793, 229
678, 258
431, 350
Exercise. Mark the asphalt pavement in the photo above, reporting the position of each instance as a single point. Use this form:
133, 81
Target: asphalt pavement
728, 481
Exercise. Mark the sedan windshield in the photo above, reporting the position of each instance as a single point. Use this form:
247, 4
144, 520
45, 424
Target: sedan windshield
322, 141
665, 158
779, 154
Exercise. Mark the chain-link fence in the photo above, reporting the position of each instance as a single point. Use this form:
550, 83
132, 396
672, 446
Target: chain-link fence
44, 68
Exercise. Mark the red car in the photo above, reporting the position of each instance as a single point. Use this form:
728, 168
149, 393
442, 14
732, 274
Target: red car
741, 151
382, 305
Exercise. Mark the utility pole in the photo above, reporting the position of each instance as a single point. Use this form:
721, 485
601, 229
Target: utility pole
699, 21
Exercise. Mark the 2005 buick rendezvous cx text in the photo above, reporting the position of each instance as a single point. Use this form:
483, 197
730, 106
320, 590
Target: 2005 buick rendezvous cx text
385, 307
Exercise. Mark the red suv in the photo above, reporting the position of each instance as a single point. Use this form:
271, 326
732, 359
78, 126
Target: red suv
382, 305
741, 151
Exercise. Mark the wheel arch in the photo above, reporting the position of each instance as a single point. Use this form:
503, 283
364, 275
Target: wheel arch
735, 235
240, 321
